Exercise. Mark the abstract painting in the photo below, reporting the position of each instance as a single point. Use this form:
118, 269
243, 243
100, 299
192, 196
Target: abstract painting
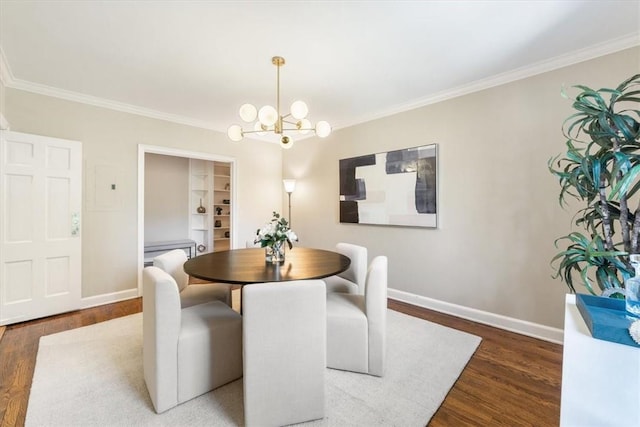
393, 188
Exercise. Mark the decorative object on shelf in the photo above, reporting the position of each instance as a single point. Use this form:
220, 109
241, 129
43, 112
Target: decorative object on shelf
273, 235
218, 211
227, 186
226, 234
601, 169
289, 187
634, 331
218, 223
632, 288
271, 119
201, 209
201, 248
225, 201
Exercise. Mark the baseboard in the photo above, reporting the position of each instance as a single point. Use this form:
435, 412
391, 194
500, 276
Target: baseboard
108, 298
511, 324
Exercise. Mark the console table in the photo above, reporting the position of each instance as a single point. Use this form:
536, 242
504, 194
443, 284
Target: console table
600, 379
153, 249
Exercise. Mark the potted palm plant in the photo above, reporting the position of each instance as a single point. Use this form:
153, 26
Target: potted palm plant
601, 167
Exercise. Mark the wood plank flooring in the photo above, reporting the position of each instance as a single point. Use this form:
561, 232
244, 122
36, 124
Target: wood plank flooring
511, 380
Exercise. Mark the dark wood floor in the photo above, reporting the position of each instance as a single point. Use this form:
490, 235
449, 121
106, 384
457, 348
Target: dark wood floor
511, 380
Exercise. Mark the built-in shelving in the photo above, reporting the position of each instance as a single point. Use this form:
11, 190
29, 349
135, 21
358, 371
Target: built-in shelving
222, 205
200, 198
210, 190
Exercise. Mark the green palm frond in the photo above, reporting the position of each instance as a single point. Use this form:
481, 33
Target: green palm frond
601, 167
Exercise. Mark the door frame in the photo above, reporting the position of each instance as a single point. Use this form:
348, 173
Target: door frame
176, 152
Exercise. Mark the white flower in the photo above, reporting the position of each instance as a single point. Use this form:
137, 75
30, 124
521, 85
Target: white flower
277, 230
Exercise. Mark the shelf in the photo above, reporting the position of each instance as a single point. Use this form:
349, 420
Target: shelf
223, 215
217, 239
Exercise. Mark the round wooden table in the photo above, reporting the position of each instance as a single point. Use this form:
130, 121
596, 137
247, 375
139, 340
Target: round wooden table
246, 266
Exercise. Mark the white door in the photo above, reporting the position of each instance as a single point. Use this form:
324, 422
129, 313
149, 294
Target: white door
40, 245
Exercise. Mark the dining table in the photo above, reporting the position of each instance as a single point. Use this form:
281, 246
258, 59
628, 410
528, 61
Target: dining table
248, 265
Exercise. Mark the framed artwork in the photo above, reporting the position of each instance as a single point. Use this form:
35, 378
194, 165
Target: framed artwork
393, 188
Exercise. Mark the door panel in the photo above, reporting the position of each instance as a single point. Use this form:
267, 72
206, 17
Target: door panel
19, 208
18, 272
40, 245
57, 214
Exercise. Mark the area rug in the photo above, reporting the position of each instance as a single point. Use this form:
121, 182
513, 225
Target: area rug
92, 376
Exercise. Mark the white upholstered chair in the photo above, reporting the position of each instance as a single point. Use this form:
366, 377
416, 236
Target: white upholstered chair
172, 262
352, 279
284, 353
186, 351
356, 325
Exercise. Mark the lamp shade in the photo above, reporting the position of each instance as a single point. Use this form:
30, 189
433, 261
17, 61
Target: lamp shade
289, 185
305, 126
268, 115
234, 133
299, 110
323, 129
248, 113
286, 142
260, 130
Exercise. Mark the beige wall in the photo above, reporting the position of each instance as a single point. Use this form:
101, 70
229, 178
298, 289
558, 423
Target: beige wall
166, 198
110, 139
498, 204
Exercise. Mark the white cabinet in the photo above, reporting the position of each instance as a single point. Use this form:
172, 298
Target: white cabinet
600, 379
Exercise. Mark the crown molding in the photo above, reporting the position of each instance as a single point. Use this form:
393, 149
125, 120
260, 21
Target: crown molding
8, 80
592, 52
575, 57
107, 103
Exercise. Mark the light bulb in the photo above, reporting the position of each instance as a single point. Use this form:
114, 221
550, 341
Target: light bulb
305, 126
248, 113
323, 129
234, 133
299, 110
260, 128
286, 142
268, 115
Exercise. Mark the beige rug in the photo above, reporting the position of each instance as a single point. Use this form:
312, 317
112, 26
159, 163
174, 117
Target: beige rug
92, 376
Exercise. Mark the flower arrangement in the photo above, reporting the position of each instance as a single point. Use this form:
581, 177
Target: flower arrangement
275, 233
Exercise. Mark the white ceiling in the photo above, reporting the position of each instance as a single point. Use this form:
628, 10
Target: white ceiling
196, 62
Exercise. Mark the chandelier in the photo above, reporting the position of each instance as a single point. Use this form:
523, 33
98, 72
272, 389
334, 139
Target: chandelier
270, 119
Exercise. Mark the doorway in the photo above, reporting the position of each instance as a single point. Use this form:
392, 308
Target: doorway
190, 156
